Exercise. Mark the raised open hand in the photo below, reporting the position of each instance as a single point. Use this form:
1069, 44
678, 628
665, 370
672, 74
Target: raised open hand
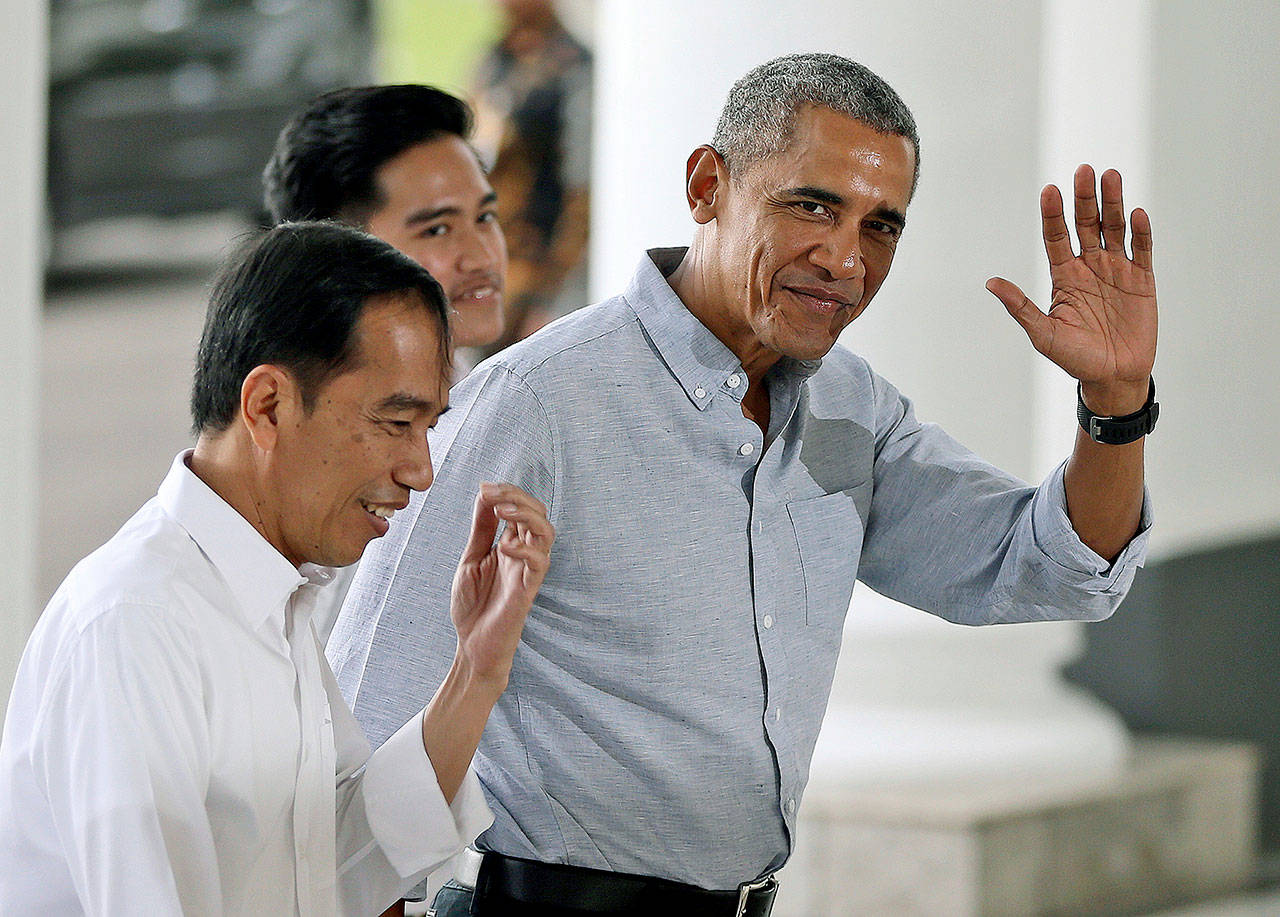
1101, 324
495, 583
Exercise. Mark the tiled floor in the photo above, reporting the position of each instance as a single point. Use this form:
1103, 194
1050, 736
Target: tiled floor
117, 363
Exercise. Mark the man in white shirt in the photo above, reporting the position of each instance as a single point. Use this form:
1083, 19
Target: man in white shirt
175, 741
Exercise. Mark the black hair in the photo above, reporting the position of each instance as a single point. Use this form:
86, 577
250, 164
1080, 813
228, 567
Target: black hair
292, 296
325, 158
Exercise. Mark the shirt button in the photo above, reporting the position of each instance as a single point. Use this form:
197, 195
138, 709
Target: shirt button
700, 392
733, 381
791, 807
746, 449
768, 621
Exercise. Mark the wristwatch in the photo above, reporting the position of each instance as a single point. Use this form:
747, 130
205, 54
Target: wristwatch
1116, 431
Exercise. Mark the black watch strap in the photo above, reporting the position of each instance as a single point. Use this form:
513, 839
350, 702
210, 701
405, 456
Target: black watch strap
1116, 431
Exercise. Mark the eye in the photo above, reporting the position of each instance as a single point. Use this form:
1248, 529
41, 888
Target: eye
814, 208
487, 217
435, 229
880, 227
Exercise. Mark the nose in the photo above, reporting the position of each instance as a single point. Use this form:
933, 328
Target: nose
414, 471
840, 255
479, 247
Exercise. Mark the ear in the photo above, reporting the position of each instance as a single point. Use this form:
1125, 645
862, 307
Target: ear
706, 177
267, 396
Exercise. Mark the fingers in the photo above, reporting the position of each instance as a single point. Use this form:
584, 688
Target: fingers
533, 563
520, 510
1112, 212
1141, 238
525, 533
529, 535
1095, 231
525, 516
1035, 323
1086, 204
1053, 225
484, 525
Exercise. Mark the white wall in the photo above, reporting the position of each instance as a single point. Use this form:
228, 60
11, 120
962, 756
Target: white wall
1215, 460
22, 118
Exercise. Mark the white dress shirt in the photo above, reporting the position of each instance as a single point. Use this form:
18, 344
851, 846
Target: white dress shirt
176, 743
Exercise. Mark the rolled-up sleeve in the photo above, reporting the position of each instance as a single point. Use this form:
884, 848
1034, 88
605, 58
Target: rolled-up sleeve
1077, 563
953, 535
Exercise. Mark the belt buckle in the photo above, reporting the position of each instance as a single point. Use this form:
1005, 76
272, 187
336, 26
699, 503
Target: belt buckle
745, 890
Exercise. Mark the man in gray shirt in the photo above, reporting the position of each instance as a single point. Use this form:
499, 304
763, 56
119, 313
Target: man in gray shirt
719, 474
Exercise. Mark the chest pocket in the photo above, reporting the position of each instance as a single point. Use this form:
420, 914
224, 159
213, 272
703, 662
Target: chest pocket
829, 532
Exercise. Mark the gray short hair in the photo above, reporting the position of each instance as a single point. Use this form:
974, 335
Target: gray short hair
759, 116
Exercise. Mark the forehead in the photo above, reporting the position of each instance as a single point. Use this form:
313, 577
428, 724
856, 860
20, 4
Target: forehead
832, 150
398, 351
436, 173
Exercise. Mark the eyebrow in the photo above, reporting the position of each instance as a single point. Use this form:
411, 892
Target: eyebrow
824, 196
427, 216
402, 401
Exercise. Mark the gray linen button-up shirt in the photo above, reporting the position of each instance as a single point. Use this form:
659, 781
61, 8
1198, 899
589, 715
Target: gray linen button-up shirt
667, 693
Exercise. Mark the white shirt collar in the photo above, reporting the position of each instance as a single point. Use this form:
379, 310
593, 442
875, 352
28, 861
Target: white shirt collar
258, 575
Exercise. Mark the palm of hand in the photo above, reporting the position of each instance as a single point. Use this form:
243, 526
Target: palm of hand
1102, 318
1101, 324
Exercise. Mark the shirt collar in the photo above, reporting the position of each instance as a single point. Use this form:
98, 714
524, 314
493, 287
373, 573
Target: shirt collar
259, 576
700, 361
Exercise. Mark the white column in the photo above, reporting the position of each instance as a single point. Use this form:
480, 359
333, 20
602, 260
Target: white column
22, 131
915, 698
1215, 153
1095, 107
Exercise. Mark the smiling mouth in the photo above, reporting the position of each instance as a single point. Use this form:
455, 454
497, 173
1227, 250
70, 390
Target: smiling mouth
476, 294
818, 302
375, 509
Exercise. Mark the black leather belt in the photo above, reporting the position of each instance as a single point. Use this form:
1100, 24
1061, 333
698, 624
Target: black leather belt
504, 881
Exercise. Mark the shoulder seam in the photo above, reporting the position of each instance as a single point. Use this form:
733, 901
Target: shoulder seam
546, 417
521, 374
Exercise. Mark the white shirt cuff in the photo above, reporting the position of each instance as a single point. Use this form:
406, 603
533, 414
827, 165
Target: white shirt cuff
406, 809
